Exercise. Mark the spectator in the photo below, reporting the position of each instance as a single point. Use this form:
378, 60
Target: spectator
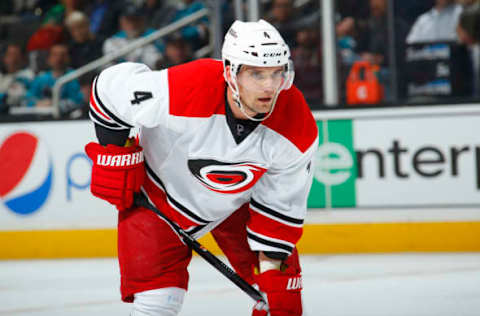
468, 31
281, 16
40, 43
158, 13
103, 16
346, 41
373, 39
49, 32
177, 51
45, 37
468, 5
468, 28
14, 78
83, 45
288, 21
354, 9
373, 43
56, 14
437, 24
132, 25
351, 14
196, 34
307, 58
345, 27
40, 92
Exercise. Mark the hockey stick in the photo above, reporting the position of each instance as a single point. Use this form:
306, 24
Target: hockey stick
141, 200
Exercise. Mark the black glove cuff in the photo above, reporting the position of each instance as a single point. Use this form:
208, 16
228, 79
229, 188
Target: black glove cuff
107, 136
275, 255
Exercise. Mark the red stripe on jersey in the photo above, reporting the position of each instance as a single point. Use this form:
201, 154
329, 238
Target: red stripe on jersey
293, 119
159, 199
197, 88
95, 107
271, 228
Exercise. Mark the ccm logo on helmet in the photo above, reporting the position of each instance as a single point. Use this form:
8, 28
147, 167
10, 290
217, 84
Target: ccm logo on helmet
272, 54
120, 160
225, 177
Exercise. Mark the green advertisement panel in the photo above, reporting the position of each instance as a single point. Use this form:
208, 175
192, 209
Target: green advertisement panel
399, 161
335, 171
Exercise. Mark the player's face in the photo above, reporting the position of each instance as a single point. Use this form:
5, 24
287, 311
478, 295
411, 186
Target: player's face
80, 31
58, 57
258, 85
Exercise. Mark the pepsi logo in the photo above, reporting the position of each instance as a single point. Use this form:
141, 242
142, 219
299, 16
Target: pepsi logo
26, 170
225, 177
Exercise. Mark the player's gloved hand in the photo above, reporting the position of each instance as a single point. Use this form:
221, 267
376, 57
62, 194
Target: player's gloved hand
117, 172
283, 290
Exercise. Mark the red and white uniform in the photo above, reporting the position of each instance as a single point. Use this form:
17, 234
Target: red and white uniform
195, 168
198, 174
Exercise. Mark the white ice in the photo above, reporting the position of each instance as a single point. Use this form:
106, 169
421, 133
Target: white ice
334, 285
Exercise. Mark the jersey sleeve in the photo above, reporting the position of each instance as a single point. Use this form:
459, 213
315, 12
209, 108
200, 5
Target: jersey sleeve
279, 203
129, 95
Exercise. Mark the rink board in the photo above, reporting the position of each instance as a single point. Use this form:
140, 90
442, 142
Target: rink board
411, 175
398, 158
317, 239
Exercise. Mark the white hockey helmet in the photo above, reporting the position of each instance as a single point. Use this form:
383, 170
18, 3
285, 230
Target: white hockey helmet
255, 44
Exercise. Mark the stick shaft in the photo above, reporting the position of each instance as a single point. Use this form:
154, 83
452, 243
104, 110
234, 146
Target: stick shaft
141, 200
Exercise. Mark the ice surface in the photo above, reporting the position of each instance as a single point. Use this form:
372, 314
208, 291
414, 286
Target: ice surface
336, 285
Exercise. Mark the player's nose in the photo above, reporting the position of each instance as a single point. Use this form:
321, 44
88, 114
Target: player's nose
269, 85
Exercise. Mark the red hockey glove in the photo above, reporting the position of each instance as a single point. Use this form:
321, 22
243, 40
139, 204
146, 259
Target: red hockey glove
283, 290
117, 173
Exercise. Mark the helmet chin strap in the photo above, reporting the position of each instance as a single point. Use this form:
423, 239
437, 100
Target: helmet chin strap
238, 102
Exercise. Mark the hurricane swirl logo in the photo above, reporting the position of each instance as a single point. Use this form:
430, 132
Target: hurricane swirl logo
26, 169
225, 177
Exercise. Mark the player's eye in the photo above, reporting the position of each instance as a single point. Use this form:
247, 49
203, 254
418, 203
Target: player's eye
257, 75
279, 74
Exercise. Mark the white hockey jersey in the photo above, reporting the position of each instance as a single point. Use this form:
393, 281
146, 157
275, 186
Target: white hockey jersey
197, 174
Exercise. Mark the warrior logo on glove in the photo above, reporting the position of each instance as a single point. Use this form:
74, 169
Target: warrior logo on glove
120, 160
117, 172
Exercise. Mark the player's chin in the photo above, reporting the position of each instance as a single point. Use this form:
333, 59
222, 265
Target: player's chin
262, 110
263, 107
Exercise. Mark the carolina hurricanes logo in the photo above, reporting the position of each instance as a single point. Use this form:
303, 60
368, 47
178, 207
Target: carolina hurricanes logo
225, 177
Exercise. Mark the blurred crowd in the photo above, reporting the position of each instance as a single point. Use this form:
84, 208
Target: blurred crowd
363, 34
41, 40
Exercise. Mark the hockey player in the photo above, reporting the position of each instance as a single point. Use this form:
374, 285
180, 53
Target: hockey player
225, 147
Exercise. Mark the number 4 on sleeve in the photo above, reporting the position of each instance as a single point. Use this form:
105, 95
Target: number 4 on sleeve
140, 96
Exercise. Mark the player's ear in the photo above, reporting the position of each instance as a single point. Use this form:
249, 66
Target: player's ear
228, 74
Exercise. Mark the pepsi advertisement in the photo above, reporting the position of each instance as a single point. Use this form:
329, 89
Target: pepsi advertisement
46, 176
